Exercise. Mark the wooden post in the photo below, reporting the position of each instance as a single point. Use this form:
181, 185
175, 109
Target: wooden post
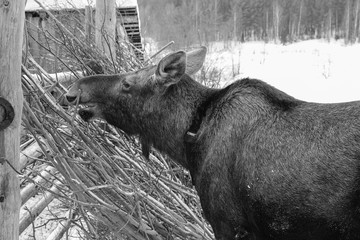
12, 17
105, 24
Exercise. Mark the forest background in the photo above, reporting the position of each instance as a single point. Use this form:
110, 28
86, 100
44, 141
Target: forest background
191, 22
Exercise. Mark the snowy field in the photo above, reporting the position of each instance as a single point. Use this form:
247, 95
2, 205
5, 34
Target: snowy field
313, 70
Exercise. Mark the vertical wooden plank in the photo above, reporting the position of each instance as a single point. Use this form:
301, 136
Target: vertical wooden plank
48, 26
34, 32
105, 23
45, 59
11, 37
88, 22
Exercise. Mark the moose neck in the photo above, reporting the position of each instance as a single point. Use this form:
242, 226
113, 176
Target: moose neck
176, 115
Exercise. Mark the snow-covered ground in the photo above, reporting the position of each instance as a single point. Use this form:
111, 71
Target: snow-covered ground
313, 70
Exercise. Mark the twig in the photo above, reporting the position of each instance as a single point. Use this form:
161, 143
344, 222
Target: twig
158, 52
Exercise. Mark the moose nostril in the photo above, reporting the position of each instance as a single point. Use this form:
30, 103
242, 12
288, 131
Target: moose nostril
70, 99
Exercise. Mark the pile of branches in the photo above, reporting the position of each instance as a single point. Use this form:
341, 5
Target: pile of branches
102, 178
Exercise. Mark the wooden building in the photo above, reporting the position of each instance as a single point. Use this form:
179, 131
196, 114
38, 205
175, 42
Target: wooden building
127, 26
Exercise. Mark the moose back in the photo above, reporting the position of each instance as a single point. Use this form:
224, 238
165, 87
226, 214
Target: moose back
265, 165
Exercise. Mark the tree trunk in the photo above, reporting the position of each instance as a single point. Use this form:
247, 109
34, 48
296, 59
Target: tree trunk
356, 21
12, 17
200, 29
215, 20
196, 15
299, 23
240, 24
328, 30
105, 24
235, 21
276, 19
267, 25
358, 32
347, 21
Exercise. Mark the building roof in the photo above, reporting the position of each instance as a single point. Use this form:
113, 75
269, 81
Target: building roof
31, 5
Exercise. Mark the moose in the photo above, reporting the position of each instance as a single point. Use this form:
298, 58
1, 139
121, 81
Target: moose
265, 165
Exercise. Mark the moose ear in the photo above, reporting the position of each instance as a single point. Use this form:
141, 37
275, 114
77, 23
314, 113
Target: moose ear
195, 60
172, 67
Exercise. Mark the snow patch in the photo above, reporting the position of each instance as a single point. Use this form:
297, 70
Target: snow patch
313, 70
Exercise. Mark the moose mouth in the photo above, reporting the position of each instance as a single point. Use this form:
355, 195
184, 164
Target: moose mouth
87, 111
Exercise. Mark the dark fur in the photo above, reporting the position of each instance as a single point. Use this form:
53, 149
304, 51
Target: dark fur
265, 165
278, 168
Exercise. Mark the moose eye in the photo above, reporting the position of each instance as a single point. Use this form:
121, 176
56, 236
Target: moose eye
126, 86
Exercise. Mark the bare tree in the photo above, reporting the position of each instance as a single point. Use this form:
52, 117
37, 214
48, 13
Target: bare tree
356, 20
215, 19
300, 16
253, 19
276, 19
347, 21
